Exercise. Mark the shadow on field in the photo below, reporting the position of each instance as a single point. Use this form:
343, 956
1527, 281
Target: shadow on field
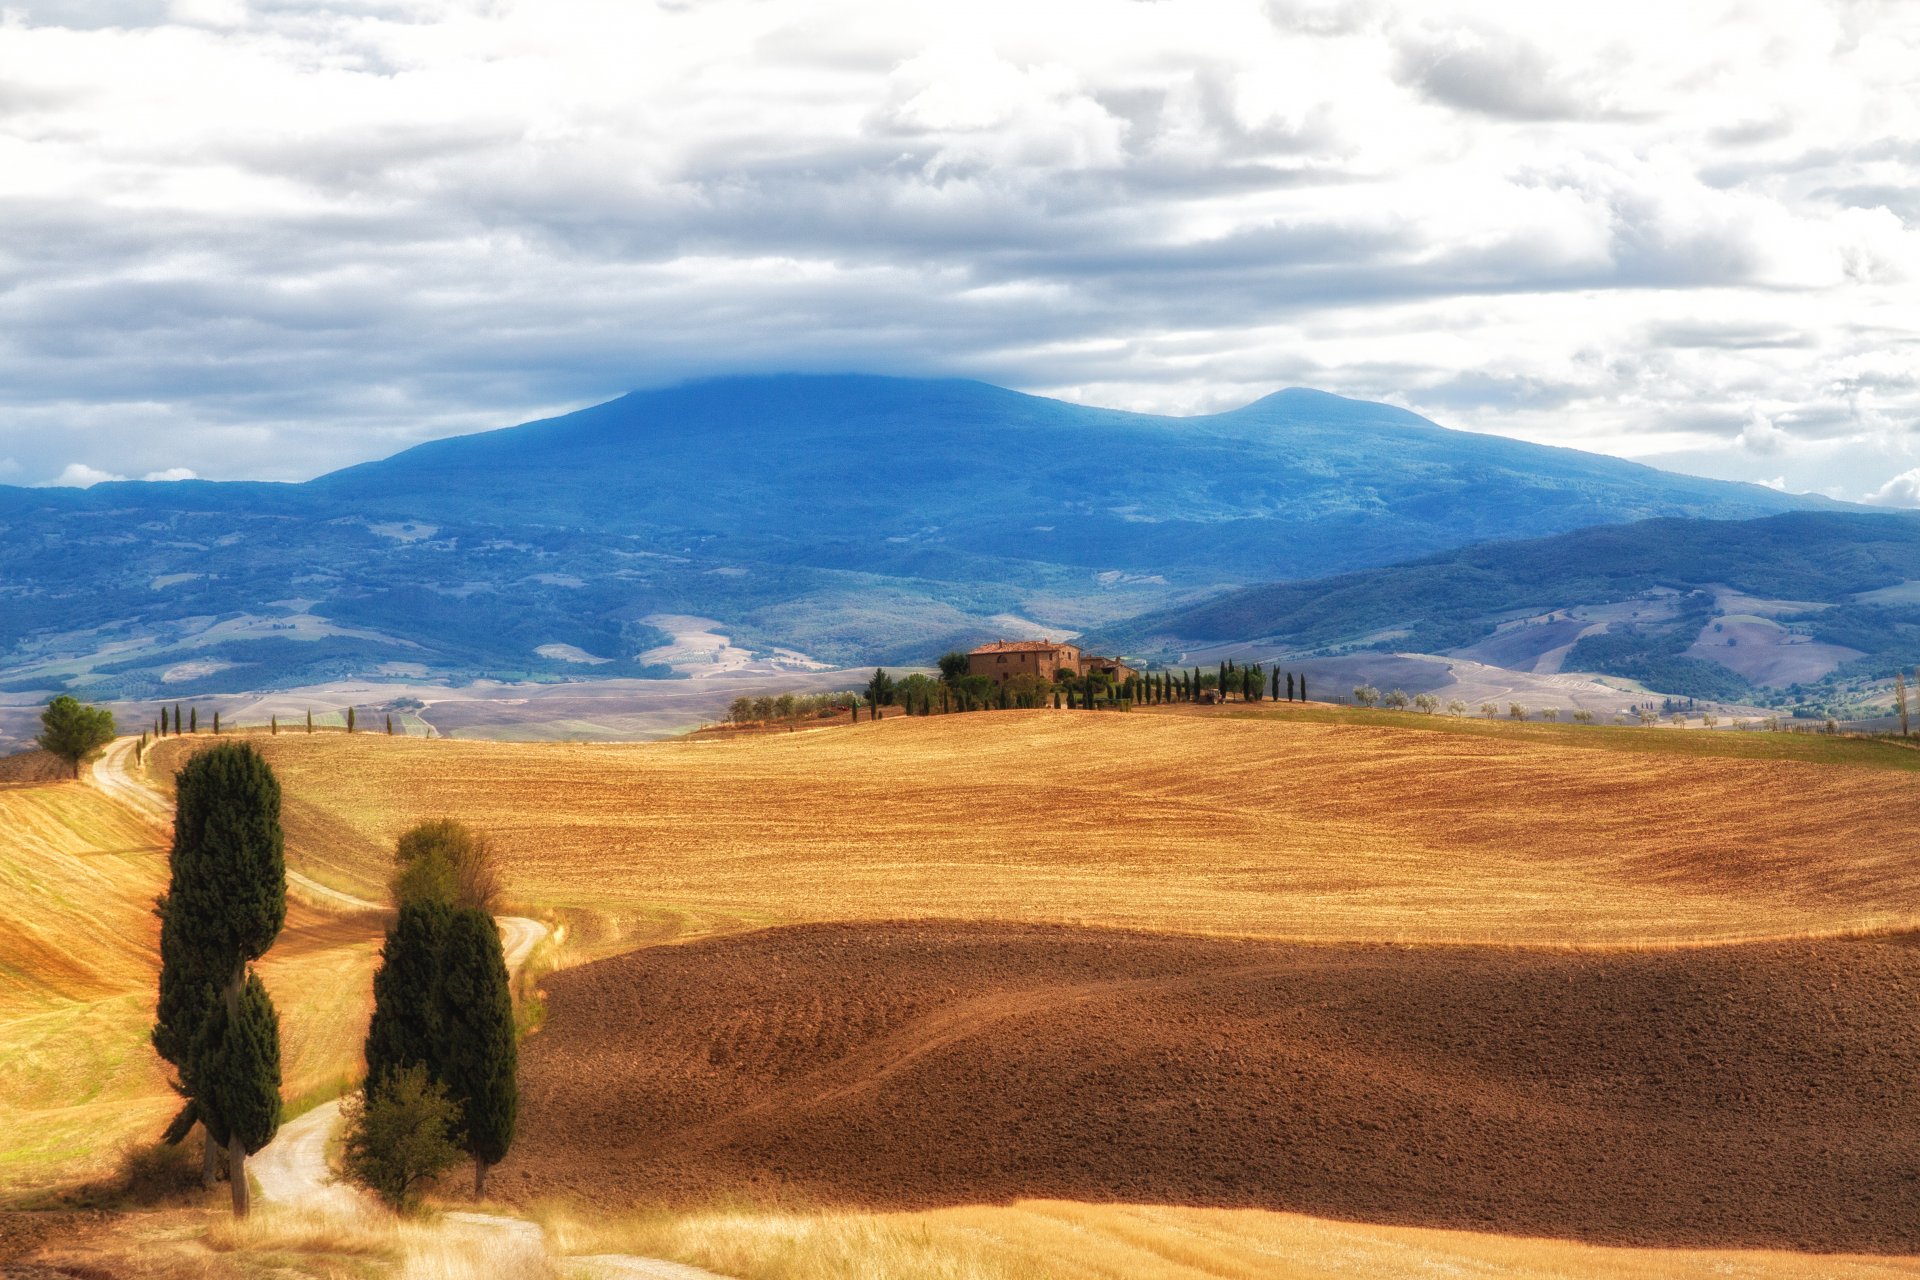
1745, 1096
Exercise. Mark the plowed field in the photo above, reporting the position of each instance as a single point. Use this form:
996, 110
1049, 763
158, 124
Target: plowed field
1243, 826
1757, 1096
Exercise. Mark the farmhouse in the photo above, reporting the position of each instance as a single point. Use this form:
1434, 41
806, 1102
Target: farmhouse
1002, 660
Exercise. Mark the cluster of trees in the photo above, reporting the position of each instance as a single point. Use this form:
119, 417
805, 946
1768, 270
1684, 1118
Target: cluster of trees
790, 706
441, 1048
225, 902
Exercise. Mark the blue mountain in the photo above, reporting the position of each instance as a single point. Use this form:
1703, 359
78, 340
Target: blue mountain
858, 519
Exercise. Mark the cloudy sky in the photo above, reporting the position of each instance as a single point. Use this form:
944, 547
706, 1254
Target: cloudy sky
266, 238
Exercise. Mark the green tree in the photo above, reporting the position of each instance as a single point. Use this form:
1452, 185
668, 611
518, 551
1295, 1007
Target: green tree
273, 725
880, 689
163, 720
389, 725
237, 1066
309, 719
350, 719
216, 722
193, 719
399, 1136
405, 1029
444, 860
177, 721
953, 666
226, 901
478, 1057
73, 730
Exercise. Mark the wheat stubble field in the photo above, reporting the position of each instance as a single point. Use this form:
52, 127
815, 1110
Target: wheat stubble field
1099, 996
1273, 827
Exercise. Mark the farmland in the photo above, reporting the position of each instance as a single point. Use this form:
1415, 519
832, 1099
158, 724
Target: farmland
1200, 992
1326, 827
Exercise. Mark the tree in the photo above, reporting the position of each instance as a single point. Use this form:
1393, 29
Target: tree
1027, 690
405, 1029
399, 1136
163, 720
226, 901
444, 860
953, 666
73, 730
880, 688
389, 724
349, 719
193, 719
740, 710
1900, 697
1397, 699
1489, 709
237, 1067
1303, 686
1426, 702
309, 719
478, 1057
1366, 695
1516, 711
177, 721
273, 725
1289, 686
1456, 708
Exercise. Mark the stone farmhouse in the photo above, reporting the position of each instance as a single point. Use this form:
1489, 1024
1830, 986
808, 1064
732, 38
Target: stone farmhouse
1002, 660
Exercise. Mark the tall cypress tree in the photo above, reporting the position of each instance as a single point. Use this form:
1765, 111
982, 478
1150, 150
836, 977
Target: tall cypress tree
193, 719
309, 719
1303, 686
406, 1025
478, 1056
349, 719
225, 903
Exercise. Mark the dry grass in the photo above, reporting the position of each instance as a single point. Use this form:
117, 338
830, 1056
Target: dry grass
1056, 1240
78, 963
1264, 826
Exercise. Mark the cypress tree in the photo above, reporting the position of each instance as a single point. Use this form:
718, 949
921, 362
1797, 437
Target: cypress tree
163, 720
1276, 683
349, 719
216, 722
389, 726
478, 1056
273, 723
406, 1026
177, 721
1303, 686
193, 719
237, 1066
226, 901
309, 719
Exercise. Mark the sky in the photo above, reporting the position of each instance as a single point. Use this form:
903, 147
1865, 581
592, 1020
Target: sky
262, 239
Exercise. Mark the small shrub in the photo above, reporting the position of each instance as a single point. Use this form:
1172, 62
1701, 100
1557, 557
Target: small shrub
401, 1139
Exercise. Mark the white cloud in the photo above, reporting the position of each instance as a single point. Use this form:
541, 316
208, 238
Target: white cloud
79, 475
271, 238
1901, 491
172, 473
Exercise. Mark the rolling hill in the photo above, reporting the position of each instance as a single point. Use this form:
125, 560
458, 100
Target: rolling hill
855, 519
1817, 602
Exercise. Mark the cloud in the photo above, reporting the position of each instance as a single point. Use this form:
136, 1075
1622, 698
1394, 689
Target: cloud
1760, 436
273, 238
1902, 490
79, 475
172, 473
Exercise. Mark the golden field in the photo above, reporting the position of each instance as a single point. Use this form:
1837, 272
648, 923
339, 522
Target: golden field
1267, 826
78, 962
1315, 826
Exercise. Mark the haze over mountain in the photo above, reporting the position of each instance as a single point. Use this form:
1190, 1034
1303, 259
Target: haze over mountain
853, 519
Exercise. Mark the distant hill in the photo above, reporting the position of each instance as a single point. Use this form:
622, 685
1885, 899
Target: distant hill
854, 519
1722, 609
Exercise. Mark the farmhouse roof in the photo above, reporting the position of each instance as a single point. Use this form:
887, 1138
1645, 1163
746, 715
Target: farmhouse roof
1021, 646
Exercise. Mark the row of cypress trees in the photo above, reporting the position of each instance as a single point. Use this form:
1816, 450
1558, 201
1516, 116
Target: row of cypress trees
225, 903
188, 721
1252, 684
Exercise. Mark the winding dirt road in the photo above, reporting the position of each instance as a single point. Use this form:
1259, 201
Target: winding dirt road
292, 1169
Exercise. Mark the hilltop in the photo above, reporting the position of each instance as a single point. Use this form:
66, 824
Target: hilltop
851, 519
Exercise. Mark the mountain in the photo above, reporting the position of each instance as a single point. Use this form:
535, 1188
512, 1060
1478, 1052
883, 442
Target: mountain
1816, 603
856, 519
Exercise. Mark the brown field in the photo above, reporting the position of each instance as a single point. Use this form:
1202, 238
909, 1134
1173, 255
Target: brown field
1252, 826
1749, 1097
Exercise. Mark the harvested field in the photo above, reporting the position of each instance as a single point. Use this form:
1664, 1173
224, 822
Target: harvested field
1261, 825
1740, 1097
78, 963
